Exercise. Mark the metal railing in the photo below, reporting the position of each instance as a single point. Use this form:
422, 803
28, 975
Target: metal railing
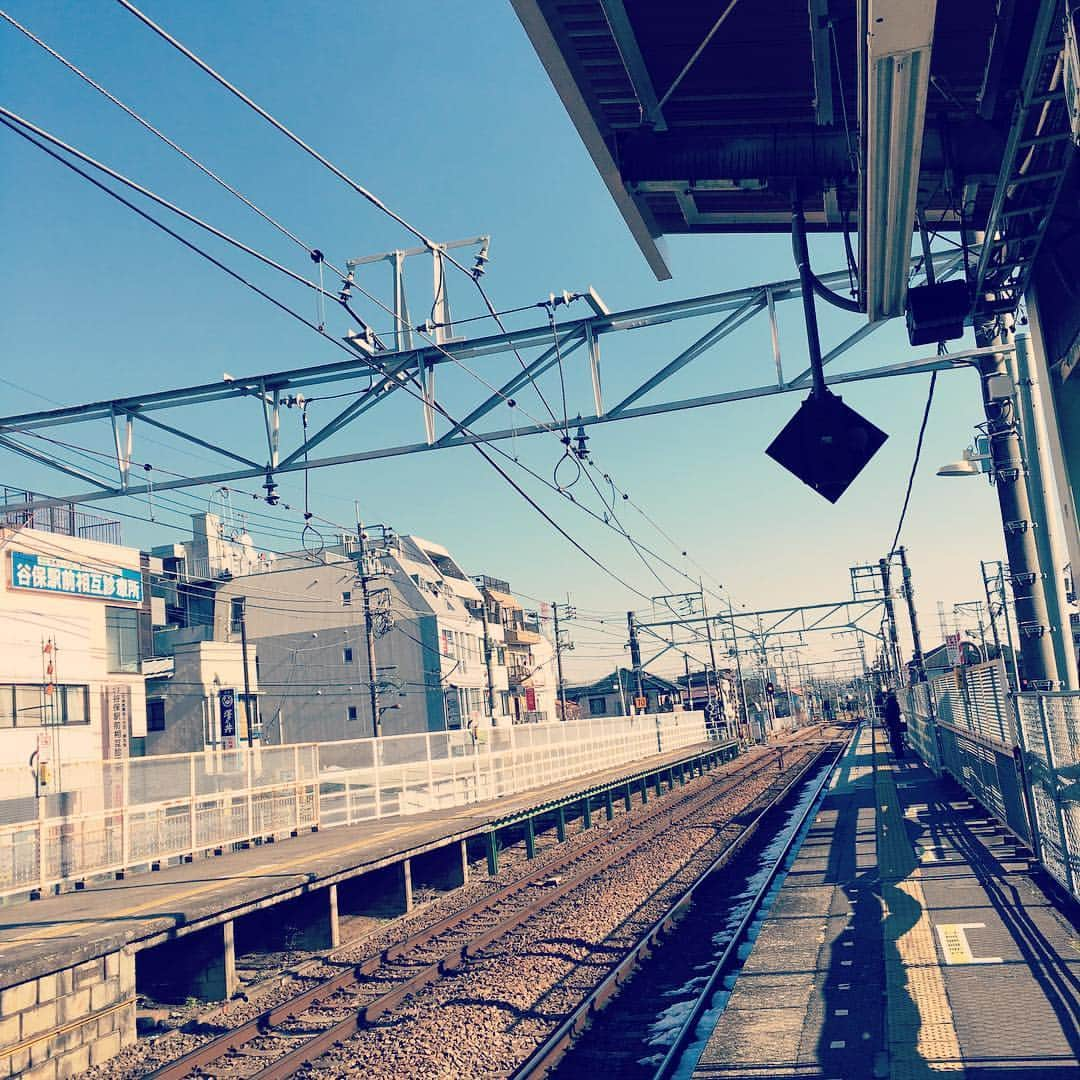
1018, 754
113, 816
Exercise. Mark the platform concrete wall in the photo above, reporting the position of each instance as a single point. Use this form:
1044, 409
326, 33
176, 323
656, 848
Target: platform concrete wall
60, 1024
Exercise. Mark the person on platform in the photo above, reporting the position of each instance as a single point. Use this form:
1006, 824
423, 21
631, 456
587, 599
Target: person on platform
894, 725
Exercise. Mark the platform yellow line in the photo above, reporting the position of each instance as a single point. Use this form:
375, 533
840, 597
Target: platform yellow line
922, 1037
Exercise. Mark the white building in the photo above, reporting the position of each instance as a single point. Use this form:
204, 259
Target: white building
74, 627
443, 592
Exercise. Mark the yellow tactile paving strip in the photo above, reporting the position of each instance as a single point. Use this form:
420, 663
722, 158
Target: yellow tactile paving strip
921, 1033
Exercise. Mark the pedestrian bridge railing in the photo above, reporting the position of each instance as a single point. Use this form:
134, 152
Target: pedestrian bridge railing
1017, 753
111, 816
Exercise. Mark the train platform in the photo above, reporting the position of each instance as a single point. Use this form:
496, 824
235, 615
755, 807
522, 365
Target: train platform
376, 863
912, 937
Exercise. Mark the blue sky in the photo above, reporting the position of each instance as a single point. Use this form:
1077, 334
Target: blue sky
445, 112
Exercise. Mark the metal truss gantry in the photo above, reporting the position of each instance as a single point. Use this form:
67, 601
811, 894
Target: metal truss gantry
245, 411
757, 628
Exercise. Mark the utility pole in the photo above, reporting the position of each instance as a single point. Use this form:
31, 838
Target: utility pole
712, 654
247, 678
369, 627
689, 691
998, 577
1048, 539
893, 647
738, 669
635, 654
916, 635
487, 658
558, 660
1032, 614
622, 696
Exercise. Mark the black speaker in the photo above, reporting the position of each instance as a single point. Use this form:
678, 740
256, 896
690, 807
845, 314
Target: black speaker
937, 312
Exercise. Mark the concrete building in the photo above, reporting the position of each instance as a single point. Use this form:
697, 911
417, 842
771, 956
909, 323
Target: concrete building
528, 656
74, 628
447, 653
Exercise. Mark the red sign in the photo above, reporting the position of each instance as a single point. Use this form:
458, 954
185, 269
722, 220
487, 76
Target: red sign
530, 699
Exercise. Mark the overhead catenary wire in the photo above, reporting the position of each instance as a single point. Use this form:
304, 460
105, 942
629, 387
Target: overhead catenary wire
319, 328
191, 218
313, 252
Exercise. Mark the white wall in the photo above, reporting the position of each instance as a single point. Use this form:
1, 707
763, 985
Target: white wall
77, 625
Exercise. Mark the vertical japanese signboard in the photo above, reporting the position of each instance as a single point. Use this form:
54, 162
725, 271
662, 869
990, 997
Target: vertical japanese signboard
227, 715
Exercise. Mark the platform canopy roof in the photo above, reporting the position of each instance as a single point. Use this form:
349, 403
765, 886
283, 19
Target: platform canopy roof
704, 117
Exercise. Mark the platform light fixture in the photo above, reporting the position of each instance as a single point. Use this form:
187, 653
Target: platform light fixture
899, 36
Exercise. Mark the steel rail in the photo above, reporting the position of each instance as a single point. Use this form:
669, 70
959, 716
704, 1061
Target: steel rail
262, 1025
689, 1026
544, 1059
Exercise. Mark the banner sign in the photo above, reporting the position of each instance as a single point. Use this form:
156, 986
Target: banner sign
227, 712
46, 573
952, 642
115, 721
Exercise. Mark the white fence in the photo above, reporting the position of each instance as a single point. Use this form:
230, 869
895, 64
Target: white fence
115, 815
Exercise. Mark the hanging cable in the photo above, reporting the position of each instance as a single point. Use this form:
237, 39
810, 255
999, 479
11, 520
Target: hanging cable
915, 463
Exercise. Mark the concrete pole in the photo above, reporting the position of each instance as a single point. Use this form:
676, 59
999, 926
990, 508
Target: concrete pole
1048, 538
487, 658
247, 678
635, 654
738, 667
558, 661
712, 652
893, 647
1039, 663
689, 690
369, 630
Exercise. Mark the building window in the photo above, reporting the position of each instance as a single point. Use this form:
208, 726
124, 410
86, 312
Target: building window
76, 704
122, 640
155, 716
346, 599
30, 706
346, 655
597, 706
236, 614
353, 714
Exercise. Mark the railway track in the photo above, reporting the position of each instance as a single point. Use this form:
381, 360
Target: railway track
283, 1039
551, 1053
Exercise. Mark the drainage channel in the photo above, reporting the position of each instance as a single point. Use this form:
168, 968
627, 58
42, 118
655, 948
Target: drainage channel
659, 1026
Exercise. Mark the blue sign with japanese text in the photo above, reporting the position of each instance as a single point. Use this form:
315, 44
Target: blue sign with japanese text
47, 573
227, 711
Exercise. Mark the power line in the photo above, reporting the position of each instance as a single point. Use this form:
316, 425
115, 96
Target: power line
420, 395
915, 463
314, 253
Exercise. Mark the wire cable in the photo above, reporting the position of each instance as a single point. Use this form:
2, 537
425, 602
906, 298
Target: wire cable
312, 252
915, 463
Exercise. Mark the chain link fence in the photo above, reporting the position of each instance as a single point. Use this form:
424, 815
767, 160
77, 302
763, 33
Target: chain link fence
1018, 754
112, 816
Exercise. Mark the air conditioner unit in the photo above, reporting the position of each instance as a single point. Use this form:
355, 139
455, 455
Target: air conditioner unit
899, 36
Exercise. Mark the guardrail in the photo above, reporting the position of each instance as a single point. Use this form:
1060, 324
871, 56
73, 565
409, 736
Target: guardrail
1018, 754
113, 816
